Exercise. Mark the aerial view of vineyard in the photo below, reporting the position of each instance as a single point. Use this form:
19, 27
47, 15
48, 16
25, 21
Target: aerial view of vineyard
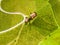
29, 22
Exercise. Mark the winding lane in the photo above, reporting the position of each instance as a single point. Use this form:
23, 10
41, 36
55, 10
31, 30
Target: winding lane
23, 15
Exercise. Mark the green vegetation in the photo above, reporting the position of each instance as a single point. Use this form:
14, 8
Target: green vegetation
53, 39
46, 23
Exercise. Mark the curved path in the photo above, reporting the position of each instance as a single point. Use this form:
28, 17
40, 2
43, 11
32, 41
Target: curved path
12, 13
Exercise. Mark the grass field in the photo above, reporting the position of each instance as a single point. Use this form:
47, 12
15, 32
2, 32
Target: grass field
45, 24
53, 39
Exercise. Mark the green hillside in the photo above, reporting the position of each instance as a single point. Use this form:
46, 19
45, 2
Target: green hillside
45, 24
